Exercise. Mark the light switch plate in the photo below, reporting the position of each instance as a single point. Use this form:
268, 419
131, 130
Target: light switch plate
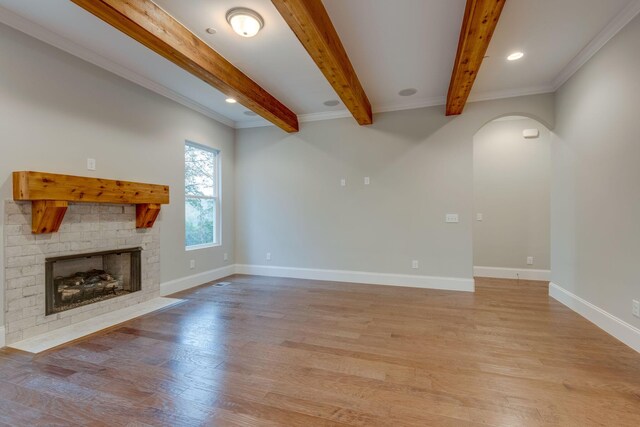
367, 181
636, 308
451, 217
91, 164
343, 182
478, 217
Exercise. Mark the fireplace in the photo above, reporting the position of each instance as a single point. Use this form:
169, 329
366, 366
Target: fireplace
76, 280
88, 228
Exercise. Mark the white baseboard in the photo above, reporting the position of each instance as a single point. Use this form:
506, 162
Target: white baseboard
184, 283
413, 281
429, 282
511, 273
628, 334
2, 332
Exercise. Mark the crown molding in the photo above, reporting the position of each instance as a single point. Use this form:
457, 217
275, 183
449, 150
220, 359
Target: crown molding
510, 93
37, 31
302, 118
419, 103
423, 103
324, 115
474, 97
608, 32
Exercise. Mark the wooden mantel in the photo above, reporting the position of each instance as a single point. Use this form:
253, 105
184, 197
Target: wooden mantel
50, 195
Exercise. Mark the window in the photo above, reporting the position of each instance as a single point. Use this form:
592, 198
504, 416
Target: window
202, 196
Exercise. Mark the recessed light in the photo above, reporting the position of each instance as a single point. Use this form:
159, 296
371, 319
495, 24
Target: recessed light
245, 22
408, 92
515, 56
211, 30
249, 113
231, 100
331, 103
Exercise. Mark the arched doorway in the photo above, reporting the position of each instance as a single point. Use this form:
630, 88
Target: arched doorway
511, 224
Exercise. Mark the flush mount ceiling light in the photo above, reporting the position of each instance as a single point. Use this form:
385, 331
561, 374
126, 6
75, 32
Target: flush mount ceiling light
231, 100
211, 30
515, 56
331, 103
245, 22
408, 92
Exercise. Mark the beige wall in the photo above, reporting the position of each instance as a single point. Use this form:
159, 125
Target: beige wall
595, 245
56, 111
511, 189
289, 201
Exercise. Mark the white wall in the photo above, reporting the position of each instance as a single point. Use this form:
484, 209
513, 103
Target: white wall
511, 190
56, 111
289, 200
595, 229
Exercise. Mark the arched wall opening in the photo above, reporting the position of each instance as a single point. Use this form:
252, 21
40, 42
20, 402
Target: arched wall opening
511, 199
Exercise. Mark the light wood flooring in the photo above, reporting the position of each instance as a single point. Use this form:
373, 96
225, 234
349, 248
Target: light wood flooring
268, 351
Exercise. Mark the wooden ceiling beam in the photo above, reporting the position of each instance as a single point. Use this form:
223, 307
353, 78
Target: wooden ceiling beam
480, 20
147, 23
310, 22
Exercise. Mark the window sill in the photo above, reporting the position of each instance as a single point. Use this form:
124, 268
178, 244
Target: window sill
205, 246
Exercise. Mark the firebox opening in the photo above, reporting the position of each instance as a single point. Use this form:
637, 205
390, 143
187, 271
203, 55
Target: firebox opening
77, 280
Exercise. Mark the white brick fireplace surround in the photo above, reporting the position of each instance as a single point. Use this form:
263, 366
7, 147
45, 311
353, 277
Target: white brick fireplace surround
87, 227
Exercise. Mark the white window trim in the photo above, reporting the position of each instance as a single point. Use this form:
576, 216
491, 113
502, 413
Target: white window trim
217, 198
203, 246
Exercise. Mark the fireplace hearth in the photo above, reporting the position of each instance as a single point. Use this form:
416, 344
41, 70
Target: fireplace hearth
76, 280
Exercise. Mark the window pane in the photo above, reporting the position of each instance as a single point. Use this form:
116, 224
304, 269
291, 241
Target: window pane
200, 215
199, 171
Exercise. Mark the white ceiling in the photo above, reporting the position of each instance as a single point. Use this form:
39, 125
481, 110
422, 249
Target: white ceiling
396, 45
550, 33
393, 45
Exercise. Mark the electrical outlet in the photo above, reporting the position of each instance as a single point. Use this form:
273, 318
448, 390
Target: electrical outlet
636, 308
343, 182
192, 263
451, 218
478, 217
414, 264
529, 260
91, 164
225, 257
367, 181
268, 257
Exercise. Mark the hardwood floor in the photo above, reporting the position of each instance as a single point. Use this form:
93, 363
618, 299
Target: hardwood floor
267, 351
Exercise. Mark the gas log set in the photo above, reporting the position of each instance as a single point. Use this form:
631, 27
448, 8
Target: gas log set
83, 286
99, 276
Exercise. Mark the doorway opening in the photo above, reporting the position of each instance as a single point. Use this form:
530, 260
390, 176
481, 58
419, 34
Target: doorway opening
512, 184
